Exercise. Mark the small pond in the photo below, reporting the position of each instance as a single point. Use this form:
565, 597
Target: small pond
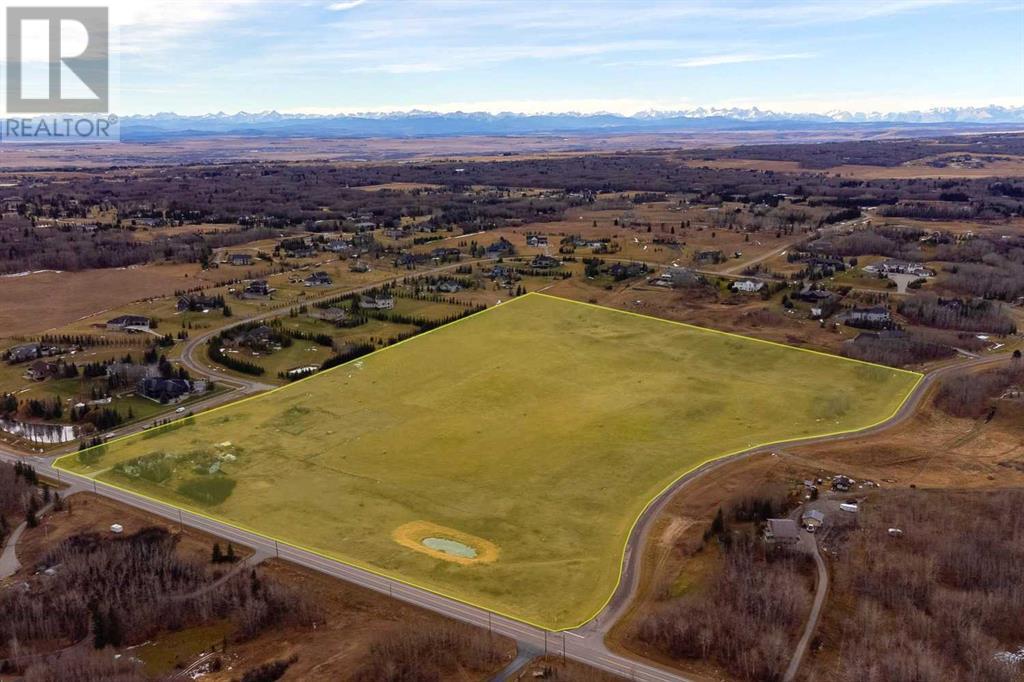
450, 547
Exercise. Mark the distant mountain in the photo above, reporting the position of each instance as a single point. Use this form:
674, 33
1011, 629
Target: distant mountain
427, 123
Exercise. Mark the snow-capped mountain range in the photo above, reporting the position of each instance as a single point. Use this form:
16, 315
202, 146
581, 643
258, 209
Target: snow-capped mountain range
427, 123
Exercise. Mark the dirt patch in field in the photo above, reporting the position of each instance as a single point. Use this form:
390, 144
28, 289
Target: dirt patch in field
412, 535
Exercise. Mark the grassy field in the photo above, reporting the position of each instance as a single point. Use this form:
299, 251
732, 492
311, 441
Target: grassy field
542, 427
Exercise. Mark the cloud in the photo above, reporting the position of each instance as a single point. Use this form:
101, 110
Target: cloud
346, 5
739, 58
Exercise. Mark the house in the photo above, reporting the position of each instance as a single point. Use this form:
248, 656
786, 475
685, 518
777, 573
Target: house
318, 279
197, 302
128, 373
812, 519
337, 246
748, 286
240, 259
163, 390
449, 286
502, 274
811, 295
129, 323
537, 240
259, 337
781, 532
445, 253
296, 247
709, 257
892, 266
544, 262
377, 302
502, 247
11, 204
876, 315
332, 315
41, 370
396, 233
258, 288
678, 277
23, 353
819, 267
405, 260
621, 271
359, 266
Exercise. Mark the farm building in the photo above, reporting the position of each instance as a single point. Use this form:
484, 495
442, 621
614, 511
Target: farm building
812, 519
240, 259
782, 532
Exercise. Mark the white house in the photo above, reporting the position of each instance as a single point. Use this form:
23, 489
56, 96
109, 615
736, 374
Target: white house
748, 286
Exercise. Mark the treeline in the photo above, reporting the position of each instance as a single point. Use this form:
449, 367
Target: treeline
214, 350
898, 350
964, 315
747, 617
434, 653
26, 247
931, 605
122, 591
970, 395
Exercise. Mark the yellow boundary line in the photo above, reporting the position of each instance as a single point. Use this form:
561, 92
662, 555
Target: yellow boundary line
461, 600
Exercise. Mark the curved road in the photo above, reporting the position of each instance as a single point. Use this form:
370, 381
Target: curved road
585, 644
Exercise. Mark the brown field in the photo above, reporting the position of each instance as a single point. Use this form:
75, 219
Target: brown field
741, 314
397, 186
354, 150
917, 169
45, 300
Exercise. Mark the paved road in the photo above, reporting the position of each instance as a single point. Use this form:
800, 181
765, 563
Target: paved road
249, 386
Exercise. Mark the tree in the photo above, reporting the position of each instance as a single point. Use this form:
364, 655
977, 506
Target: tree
231, 558
217, 556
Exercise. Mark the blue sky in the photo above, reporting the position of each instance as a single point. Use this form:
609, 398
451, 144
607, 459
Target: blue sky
199, 56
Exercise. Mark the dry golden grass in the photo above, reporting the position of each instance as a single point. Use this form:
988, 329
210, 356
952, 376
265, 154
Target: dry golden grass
45, 300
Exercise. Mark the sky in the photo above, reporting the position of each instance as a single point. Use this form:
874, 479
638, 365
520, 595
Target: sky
623, 56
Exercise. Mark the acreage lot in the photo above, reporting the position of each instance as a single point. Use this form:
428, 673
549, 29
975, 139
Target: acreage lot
503, 459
